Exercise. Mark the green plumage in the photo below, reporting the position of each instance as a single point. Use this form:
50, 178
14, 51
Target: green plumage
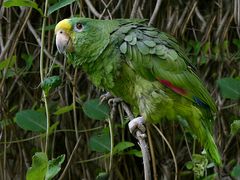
146, 68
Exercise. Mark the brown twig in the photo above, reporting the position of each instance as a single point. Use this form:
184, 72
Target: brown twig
155, 12
70, 159
135, 8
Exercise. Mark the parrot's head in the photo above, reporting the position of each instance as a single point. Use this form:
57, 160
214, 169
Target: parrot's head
83, 38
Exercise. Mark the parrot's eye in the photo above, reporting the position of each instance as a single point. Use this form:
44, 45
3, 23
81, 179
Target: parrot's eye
78, 27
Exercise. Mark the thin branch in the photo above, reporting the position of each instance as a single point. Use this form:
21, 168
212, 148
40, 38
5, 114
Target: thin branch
23, 23
42, 74
70, 159
74, 103
201, 18
112, 144
13, 34
145, 153
106, 9
117, 7
152, 154
141, 137
170, 148
155, 12
134, 9
1, 34
92, 8
184, 24
222, 23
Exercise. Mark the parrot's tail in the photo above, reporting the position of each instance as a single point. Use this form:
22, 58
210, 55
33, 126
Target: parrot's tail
204, 136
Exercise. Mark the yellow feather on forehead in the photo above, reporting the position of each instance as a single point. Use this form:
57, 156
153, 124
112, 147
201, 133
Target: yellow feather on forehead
64, 25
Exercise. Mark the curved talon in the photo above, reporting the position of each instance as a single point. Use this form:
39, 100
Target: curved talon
137, 124
105, 97
114, 101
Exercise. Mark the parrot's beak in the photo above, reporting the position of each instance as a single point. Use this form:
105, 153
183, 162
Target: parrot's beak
63, 39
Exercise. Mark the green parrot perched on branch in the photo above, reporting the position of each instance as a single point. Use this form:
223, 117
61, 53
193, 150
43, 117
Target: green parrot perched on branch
145, 67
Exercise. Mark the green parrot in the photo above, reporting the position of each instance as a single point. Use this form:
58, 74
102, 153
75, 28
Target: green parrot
145, 67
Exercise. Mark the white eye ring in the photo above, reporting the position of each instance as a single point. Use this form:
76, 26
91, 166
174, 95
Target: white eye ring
78, 27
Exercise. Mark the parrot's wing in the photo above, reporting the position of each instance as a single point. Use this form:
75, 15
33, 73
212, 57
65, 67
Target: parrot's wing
157, 56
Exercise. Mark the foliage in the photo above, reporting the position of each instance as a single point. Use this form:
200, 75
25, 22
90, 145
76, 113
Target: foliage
31, 120
209, 31
229, 88
94, 109
42, 168
20, 3
50, 83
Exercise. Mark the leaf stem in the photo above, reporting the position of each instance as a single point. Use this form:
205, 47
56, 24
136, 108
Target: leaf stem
42, 74
112, 144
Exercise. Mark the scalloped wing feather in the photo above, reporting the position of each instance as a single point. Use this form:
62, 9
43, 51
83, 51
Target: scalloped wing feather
157, 56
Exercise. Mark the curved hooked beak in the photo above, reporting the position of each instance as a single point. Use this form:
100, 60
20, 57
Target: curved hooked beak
63, 39
63, 42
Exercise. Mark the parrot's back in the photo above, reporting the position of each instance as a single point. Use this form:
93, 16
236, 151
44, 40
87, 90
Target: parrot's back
155, 75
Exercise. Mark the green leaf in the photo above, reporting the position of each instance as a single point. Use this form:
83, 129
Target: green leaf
135, 152
235, 127
197, 47
102, 176
210, 177
28, 60
54, 166
122, 146
63, 110
59, 5
9, 73
39, 167
206, 47
26, 3
9, 62
96, 110
189, 165
203, 59
237, 43
100, 142
50, 83
210, 165
200, 163
236, 171
31, 120
229, 88
53, 127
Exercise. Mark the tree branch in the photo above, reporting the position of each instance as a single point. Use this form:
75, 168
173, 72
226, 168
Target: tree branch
141, 137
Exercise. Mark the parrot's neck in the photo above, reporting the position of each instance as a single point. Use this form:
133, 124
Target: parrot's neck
102, 70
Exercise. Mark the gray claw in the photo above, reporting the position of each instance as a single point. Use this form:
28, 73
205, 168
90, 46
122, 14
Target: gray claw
114, 101
137, 124
105, 97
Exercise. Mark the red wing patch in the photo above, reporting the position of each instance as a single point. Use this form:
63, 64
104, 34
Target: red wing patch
176, 89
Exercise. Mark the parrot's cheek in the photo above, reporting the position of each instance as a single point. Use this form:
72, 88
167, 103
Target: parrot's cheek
63, 42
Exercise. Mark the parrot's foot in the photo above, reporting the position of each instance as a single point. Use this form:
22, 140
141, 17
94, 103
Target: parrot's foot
114, 101
110, 98
137, 124
106, 97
